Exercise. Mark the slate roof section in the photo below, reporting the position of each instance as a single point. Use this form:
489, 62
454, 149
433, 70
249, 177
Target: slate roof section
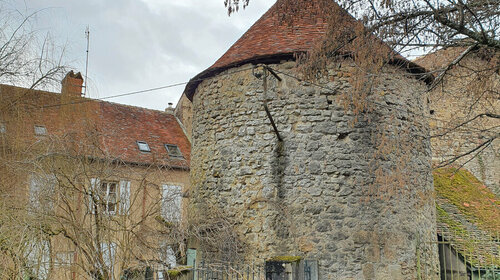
272, 39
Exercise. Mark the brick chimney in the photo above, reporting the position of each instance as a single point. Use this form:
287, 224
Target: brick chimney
72, 84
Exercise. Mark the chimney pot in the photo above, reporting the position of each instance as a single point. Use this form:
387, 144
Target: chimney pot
170, 108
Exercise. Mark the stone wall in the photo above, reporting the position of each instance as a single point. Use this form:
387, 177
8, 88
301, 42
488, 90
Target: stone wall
460, 98
184, 113
353, 192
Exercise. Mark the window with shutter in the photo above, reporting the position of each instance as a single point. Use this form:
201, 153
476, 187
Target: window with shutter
124, 205
108, 251
38, 258
93, 195
41, 193
171, 203
109, 197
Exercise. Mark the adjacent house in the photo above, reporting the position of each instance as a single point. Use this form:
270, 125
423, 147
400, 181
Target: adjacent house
468, 220
463, 106
465, 136
93, 189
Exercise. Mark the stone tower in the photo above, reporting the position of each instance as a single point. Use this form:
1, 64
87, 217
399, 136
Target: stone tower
326, 191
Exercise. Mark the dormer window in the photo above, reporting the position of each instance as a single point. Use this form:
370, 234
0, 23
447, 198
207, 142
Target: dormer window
2, 128
143, 146
173, 151
40, 130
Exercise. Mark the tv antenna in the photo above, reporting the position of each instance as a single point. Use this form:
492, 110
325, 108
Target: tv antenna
87, 35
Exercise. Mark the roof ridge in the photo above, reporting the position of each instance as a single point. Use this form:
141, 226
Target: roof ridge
87, 99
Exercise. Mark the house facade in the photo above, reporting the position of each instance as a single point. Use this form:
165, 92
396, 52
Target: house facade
468, 92
465, 136
95, 187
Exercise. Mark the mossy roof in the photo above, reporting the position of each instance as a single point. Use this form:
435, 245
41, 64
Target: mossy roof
468, 216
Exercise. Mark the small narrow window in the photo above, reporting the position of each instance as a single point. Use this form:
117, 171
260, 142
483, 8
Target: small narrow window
143, 146
2, 128
173, 151
40, 130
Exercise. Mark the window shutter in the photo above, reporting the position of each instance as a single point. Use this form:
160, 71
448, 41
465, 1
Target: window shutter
108, 251
171, 203
34, 194
94, 182
124, 207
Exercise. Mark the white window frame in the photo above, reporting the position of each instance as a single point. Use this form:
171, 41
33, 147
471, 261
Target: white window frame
102, 198
143, 146
105, 196
40, 130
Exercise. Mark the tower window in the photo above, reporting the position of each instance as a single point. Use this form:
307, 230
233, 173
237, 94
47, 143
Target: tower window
2, 128
143, 146
40, 130
173, 151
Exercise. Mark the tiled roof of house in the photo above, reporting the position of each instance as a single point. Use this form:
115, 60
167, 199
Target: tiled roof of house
468, 216
272, 38
121, 126
439, 59
117, 127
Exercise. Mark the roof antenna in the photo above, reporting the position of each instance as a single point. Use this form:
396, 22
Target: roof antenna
87, 35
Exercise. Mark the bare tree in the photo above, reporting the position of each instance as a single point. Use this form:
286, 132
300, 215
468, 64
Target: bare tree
469, 69
420, 23
28, 57
84, 212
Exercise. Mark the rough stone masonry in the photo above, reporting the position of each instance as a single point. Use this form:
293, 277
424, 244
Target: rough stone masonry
352, 191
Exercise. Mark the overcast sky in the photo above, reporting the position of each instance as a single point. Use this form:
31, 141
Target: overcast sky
141, 44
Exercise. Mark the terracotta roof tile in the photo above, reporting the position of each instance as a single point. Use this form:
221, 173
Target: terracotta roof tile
118, 126
122, 126
271, 38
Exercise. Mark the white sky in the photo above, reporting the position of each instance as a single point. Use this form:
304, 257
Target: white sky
141, 44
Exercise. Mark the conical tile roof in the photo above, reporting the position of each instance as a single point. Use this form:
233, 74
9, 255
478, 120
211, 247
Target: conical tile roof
273, 38
271, 35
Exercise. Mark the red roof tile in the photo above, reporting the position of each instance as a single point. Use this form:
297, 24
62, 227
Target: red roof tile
271, 35
122, 126
271, 38
118, 126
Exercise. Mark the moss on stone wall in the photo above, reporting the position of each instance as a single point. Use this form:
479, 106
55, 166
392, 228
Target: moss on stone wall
287, 259
178, 271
